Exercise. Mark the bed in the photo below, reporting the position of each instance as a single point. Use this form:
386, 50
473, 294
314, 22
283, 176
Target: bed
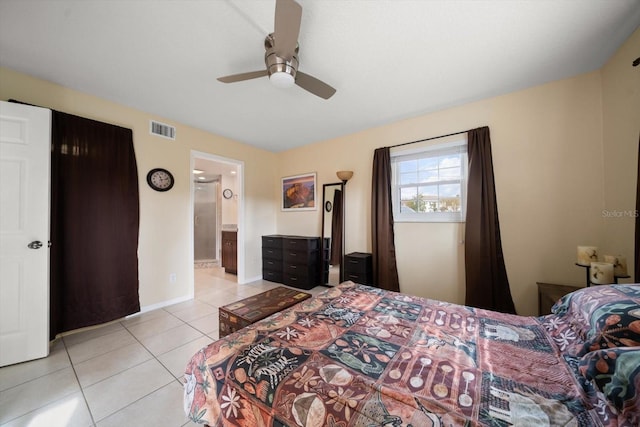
357, 356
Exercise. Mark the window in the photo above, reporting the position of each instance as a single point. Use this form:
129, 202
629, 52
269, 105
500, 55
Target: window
429, 184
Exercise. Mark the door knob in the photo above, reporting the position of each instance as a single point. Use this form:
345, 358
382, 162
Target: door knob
36, 244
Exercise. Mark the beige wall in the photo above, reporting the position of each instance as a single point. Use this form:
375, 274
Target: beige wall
565, 153
621, 131
229, 214
554, 177
547, 152
165, 218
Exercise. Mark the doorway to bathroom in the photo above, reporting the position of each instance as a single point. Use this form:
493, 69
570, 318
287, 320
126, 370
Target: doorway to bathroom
206, 218
216, 209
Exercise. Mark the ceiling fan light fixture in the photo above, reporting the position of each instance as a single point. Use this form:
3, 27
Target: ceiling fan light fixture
282, 79
281, 57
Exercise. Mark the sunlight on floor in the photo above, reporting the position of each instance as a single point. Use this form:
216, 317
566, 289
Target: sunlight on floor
59, 415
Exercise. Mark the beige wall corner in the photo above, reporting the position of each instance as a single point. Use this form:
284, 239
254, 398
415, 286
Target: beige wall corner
621, 131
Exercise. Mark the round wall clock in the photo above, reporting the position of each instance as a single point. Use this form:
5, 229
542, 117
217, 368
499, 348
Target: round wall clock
160, 179
227, 193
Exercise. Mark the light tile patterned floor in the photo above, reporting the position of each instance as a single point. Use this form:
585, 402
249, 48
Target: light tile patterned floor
126, 373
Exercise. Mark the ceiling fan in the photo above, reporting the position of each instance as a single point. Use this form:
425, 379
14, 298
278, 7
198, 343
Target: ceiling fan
281, 50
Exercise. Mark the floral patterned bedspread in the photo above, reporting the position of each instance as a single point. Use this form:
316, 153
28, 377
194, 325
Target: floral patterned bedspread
361, 356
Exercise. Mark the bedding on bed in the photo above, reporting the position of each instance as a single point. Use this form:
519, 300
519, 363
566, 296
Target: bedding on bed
361, 356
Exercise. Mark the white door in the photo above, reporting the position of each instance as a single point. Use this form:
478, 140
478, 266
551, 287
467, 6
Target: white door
25, 152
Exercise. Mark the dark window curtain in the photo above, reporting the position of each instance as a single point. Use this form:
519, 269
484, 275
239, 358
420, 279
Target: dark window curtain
636, 278
94, 223
486, 275
385, 271
336, 229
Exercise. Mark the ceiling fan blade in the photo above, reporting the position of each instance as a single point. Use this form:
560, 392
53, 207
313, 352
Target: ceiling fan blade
243, 76
313, 85
287, 28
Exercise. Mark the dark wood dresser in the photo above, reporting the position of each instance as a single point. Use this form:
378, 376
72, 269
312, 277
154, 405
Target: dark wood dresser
230, 251
550, 293
272, 258
292, 260
358, 267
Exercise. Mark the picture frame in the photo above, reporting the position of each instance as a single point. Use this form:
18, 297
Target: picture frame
299, 192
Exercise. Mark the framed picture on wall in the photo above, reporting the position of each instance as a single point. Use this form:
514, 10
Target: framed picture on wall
299, 192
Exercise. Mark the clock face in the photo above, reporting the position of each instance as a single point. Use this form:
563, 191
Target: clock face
160, 179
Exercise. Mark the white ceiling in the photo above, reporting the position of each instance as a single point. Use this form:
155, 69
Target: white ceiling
388, 59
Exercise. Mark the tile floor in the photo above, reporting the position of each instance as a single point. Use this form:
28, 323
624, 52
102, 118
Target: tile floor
125, 373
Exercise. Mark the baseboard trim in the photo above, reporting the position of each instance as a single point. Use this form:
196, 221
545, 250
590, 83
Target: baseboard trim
162, 304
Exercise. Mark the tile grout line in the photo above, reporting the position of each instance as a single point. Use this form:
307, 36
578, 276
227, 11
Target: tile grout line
161, 364
61, 397
153, 356
93, 421
223, 289
82, 389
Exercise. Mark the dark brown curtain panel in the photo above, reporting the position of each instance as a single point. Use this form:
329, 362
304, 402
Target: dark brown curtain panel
385, 270
636, 278
336, 229
94, 223
486, 275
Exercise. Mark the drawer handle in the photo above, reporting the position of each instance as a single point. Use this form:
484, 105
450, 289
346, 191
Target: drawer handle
353, 262
293, 266
293, 254
294, 278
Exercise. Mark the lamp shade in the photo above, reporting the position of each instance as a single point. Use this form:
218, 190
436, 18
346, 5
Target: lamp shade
344, 175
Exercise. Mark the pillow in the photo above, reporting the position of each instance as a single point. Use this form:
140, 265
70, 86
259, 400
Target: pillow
587, 309
615, 324
615, 372
568, 310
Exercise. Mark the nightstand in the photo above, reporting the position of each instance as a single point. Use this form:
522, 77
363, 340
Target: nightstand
358, 267
550, 293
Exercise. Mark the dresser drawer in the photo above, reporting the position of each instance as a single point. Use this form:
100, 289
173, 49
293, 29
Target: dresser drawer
303, 244
272, 275
358, 267
307, 270
272, 264
299, 281
357, 263
358, 278
272, 253
273, 241
293, 256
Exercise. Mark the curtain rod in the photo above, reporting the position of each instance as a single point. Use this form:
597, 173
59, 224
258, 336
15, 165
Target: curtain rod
428, 139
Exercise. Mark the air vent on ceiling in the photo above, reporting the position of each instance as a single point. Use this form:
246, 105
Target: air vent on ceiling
162, 130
